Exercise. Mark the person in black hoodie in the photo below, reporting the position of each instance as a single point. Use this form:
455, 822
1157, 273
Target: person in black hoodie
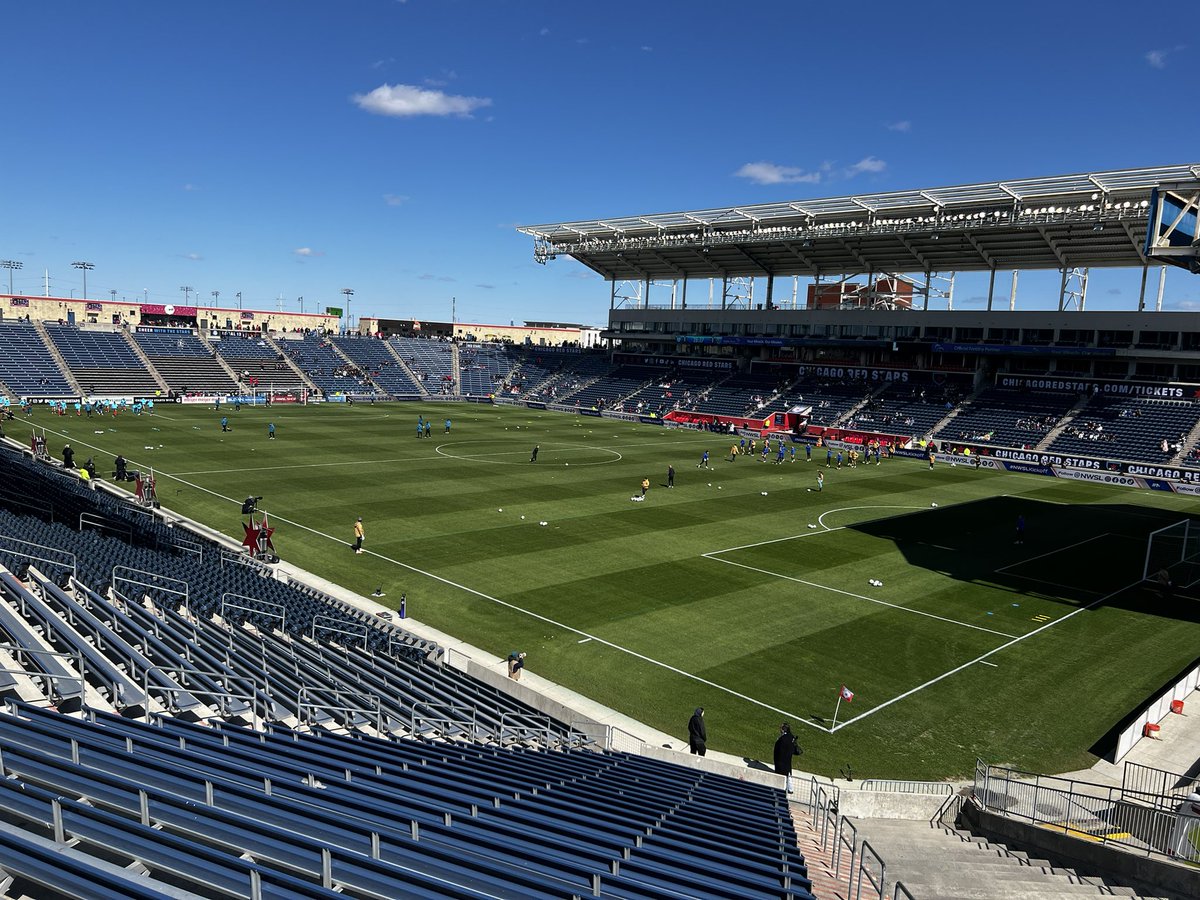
786, 747
697, 733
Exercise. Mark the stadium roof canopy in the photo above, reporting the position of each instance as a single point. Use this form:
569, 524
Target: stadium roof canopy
1066, 221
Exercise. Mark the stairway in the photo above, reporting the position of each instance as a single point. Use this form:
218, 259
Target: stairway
949, 417
1188, 443
219, 359
455, 371
942, 863
1062, 423
141, 354
391, 348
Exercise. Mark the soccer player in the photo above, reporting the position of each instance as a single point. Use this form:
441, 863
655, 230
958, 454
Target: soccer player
271, 431
828, 457
742, 446
533, 455
645, 486
670, 476
792, 451
428, 428
820, 481
224, 423
420, 429
779, 454
733, 453
808, 453
358, 535
447, 431
762, 457
839, 459
704, 461
1020, 530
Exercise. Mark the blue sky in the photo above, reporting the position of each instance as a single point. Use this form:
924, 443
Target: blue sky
295, 148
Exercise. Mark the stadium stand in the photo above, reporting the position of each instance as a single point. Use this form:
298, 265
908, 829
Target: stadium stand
256, 362
905, 409
183, 360
484, 367
430, 361
737, 395
376, 360
26, 366
610, 390
1007, 418
326, 368
1136, 429
102, 361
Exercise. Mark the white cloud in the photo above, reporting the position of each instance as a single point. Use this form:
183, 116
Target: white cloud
194, 257
486, 287
544, 32
771, 173
1157, 59
190, 187
646, 48
395, 199
380, 63
866, 164
902, 125
407, 100
307, 252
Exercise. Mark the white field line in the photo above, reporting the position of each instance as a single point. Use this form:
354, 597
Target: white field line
982, 658
897, 606
809, 533
984, 662
462, 587
1022, 562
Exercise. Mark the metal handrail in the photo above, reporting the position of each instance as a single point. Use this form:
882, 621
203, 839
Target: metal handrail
339, 627
156, 585
74, 564
864, 872
905, 787
305, 690
51, 679
105, 524
841, 842
901, 892
249, 699
281, 615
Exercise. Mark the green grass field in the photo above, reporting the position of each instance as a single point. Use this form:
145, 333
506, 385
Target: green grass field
719, 593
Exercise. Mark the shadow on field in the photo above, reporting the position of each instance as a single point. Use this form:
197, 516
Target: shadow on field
1069, 554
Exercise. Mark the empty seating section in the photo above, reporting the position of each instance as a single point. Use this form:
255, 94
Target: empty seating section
1138, 429
432, 362
738, 395
669, 391
1007, 418
256, 362
26, 367
483, 368
376, 360
442, 820
203, 800
908, 409
184, 362
102, 361
610, 390
325, 368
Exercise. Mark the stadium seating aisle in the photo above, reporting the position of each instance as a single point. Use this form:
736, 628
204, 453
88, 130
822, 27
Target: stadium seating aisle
255, 361
1131, 428
102, 361
184, 362
1007, 418
374, 358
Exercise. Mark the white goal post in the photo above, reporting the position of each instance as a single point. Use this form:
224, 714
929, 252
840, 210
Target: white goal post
1174, 549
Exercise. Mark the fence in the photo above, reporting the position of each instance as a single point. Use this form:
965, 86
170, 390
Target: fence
906, 787
1156, 787
1093, 812
1158, 710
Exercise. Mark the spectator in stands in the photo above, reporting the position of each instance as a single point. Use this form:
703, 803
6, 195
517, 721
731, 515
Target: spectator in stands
786, 747
68, 457
697, 733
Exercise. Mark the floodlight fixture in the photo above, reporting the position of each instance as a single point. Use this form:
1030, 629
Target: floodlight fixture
84, 267
11, 264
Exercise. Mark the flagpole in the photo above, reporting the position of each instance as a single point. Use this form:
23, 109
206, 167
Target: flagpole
835, 711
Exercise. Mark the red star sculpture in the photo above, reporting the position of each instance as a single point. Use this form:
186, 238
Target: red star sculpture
258, 536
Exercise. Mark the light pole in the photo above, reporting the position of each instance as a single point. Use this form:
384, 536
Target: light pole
187, 293
349, 292
239, 299
216, 295
85, 267
301, 301
145, 295
11, 264
112, 292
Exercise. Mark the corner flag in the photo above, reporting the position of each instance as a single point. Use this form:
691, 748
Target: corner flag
847, 694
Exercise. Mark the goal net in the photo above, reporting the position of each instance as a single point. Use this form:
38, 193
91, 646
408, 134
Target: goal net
1175, 550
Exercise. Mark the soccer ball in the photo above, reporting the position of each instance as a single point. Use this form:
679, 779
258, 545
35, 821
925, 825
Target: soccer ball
566, 464
811, 525
543, 524
499, 510
522, 518
764, 493
934, 505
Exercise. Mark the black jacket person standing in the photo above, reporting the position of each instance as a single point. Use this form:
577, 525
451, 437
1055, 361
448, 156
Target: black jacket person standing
697, 733
786, 747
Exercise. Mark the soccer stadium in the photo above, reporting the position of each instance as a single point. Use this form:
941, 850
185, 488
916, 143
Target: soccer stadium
434, 609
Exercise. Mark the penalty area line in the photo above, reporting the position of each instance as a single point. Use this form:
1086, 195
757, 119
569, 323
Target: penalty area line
983, 657
515, 608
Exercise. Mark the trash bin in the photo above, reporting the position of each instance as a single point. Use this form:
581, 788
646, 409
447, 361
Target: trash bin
1177, 707
1151, 730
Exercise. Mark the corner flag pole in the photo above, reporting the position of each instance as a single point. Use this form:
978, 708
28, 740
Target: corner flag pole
835, 711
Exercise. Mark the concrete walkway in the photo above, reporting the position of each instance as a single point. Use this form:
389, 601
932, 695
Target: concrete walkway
1177, 749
